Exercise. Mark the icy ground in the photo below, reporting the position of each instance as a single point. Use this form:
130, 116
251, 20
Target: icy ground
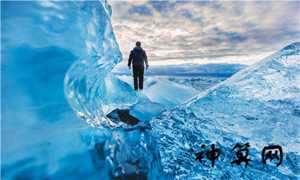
260, 105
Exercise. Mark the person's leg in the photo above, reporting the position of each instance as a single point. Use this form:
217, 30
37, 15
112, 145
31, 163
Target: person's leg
135, 78
141, 78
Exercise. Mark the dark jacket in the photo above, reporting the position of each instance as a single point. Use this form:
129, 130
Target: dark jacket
137, 57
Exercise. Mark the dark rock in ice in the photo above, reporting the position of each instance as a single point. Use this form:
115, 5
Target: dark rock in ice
123, 115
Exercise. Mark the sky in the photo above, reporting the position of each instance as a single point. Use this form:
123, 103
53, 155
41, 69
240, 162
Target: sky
201, 32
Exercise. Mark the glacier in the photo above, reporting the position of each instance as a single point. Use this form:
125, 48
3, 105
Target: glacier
259, 105
57, 63
44, 44
56, 60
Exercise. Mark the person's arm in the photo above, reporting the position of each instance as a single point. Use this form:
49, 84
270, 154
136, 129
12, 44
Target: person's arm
146, 59
130, 59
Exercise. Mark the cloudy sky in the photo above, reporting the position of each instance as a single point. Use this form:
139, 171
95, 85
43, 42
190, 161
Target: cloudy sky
175, 32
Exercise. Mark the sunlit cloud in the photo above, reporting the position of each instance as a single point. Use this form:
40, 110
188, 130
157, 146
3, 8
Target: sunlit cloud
205, 32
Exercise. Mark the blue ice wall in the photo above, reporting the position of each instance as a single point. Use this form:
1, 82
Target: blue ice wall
42, 41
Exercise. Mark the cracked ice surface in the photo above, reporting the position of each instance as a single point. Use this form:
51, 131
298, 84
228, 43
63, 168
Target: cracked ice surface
259, 104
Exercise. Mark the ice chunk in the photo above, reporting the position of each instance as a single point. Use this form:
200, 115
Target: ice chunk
163, 91
41, 137
168, 93
77, 31
259, 105
145, 110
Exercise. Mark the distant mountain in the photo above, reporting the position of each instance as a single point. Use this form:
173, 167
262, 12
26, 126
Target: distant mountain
187, 70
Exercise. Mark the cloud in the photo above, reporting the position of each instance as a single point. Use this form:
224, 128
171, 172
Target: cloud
193, 31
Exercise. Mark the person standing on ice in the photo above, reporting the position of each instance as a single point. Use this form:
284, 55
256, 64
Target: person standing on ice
138, 59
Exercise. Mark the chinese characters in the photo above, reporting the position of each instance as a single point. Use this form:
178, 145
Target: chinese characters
272, 152
211, 154
241, 151
241, 154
